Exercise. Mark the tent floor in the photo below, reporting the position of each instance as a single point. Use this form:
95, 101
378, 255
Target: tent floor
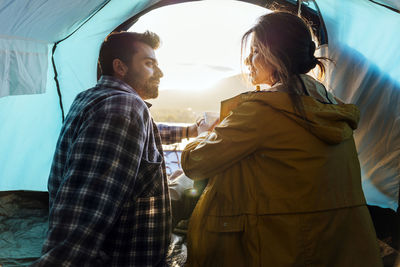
23, 226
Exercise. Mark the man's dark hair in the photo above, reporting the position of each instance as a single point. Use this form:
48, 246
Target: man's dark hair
120, 45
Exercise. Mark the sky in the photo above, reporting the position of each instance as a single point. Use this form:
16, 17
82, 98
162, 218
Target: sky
200, 40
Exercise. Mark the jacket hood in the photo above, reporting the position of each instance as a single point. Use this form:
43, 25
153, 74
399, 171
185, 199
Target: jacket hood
332, 123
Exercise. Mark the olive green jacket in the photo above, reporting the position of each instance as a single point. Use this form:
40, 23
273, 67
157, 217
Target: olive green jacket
283, 191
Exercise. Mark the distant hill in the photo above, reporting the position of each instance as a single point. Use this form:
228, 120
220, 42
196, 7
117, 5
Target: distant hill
207, 100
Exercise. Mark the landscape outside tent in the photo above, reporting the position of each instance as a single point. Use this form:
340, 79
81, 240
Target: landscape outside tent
200, 61
185, 106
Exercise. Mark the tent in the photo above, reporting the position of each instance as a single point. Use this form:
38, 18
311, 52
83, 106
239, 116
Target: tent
48, 54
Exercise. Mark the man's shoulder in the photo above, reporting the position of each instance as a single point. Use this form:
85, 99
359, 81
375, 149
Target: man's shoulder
114, 101
110, 101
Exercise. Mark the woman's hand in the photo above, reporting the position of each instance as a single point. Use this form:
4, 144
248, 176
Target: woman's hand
207, 122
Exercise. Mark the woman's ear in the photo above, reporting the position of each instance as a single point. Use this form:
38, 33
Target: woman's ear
119, 68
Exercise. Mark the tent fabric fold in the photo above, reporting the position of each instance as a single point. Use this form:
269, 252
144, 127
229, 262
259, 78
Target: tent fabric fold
365, 73
23, 226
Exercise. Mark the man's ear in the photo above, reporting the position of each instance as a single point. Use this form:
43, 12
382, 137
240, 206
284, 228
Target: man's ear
119, 67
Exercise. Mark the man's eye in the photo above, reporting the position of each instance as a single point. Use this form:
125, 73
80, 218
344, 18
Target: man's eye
149, 63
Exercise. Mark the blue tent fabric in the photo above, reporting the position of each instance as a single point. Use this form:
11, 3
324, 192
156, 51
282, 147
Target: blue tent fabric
30, 124
24, 37
363, 42
44, 20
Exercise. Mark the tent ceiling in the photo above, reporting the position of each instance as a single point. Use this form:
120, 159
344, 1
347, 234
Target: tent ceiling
53, 20
44, 20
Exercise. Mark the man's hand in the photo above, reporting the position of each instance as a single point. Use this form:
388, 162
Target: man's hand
175, 175
207, 123
192, 130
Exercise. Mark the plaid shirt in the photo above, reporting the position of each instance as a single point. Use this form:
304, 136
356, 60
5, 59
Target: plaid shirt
171, 134
109, 202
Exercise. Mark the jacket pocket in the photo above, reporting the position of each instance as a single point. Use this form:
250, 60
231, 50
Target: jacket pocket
225, 224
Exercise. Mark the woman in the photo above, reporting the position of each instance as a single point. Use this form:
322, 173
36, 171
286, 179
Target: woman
285, 185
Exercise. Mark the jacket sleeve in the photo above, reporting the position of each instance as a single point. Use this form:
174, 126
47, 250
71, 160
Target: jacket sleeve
100, 174
237, 136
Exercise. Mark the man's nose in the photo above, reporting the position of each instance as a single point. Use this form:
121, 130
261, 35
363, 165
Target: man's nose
159, 72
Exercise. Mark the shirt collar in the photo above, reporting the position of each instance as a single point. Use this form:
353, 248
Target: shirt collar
113, 82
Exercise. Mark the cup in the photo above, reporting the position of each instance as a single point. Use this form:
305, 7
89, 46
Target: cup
210, 118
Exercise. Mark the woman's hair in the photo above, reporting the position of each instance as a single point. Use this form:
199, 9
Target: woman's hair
285, 43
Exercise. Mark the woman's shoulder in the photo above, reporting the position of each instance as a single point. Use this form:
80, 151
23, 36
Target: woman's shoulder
268, 97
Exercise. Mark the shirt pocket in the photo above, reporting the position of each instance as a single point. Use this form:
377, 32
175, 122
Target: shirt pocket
150, 179
225, 224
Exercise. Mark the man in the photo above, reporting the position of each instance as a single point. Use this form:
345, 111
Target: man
109, 202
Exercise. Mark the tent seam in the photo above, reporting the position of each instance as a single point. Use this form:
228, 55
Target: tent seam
53, 60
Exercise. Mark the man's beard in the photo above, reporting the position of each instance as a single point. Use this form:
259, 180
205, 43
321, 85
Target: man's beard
146, 89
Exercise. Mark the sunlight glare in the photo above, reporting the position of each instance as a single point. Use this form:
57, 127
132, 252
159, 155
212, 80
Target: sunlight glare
200, 40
